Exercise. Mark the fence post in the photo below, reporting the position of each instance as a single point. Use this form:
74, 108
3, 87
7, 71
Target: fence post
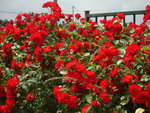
86, 13
134, 18
96, 19
55, 1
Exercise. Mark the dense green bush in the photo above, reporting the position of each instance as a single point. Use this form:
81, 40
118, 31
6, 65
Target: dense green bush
51, 64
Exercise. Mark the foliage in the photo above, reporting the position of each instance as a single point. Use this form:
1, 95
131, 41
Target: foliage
51, 64
3, 22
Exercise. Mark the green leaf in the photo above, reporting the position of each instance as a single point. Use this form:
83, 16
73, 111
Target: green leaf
74, 34
58, 58
140, 110
116, 42
48, 26
24, 86
122, 52
119, 62
145, 78
123, 41
147, 47
63, 72
86, 25
88, 98
87, 54
148, 23
124, 100
33, 80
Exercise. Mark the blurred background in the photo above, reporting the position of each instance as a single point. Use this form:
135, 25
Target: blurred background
10, 8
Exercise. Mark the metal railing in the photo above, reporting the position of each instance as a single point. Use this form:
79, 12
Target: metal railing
105, 15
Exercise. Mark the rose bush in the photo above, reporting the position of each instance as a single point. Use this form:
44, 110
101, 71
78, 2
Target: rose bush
51, 64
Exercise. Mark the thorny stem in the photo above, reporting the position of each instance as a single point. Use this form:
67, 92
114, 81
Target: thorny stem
56, 78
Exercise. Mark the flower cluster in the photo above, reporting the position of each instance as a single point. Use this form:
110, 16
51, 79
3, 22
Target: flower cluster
8, 94
49, 63
138, 95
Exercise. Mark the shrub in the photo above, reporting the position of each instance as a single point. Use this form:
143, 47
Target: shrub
51, 64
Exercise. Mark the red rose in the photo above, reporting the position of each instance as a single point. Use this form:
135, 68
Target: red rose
72, 27
148, 101
7, 50
13, 82
46, 49
148, 8
132, 49
7, 47
114, 71
62, 98
39, 58
148, 88
38, 53
105, 97
2, 91
121, 15
95, 89
96, 33
77, 16
59, 65
30, 97
62, 52
95, 103
72, 102
78, 89
87, 45
91, 76
5, 109
1, 73
117, 28
83, 20
10, 101
58, 45
127, 79
70, 15
141, 97
104, 84
38, 50
84, 109
134, 90
50, 4
37, 38
10, 92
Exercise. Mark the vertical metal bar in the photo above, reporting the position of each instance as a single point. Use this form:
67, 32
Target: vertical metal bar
86, 13
124, 22
55, 1
96, 19
105, 17
73, 12
134, 18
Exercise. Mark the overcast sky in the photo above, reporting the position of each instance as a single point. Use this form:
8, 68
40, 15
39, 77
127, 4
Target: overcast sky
10, 8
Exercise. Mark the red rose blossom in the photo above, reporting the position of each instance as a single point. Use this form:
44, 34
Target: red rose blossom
128, 79
72, 27
6, 109
84, 109
29, 97
105, 97
134, 90
148, 101
95, 103
77, 16
148, 88
121, 15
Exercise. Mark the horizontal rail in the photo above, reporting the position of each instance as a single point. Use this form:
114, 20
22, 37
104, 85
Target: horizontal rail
105, 15
115, 13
